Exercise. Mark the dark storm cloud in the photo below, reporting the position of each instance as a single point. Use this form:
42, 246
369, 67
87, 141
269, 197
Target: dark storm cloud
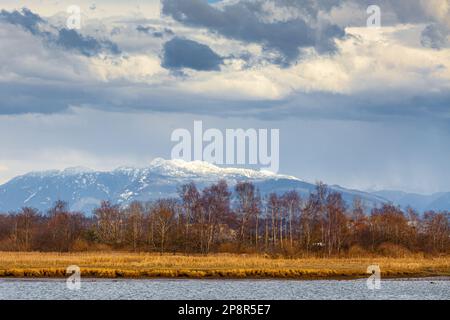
183, 53
65, 38
46, 98
42, 98
26, 19
33, 95
88, 46
20, 98
241, 21
364, 106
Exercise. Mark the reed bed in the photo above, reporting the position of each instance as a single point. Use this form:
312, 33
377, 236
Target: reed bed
148, 265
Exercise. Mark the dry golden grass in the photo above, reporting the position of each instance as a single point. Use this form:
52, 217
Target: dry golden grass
131, 265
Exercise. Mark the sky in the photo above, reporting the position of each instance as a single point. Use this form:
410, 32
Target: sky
363, 107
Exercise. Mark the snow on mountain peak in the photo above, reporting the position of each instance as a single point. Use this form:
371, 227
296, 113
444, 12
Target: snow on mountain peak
176, 168
84, 189
71, 171
181, 167
76, 170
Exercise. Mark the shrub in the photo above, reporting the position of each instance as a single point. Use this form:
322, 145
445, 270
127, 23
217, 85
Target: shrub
357, 251
100, 247
7, 245
227, 247
393, 250
80, 245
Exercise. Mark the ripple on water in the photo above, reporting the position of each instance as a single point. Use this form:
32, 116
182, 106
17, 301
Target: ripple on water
161, 289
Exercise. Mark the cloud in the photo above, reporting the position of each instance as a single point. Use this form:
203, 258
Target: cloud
369, 106
26, 19
392, 12
435, 14
183, 53
88, 46
364, 80
434, 36
145, 29
243, 21
153, 31
62, 37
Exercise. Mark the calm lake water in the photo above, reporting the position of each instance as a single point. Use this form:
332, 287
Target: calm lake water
225, 289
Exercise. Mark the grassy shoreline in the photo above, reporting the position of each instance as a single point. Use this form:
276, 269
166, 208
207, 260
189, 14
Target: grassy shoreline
226, 266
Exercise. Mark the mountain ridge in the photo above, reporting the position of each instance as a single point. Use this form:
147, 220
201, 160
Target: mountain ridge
84, 188
421, 202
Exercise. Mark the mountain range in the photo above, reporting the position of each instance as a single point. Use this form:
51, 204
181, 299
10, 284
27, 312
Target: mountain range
84, 188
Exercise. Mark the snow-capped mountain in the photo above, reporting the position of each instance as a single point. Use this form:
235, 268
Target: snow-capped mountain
84, 189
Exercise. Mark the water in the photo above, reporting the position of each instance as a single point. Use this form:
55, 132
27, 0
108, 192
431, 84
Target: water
417, 289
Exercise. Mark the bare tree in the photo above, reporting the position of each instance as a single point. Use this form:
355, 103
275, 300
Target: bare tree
437, 231
217, 220
336, 222
134, 216
64, 227
190, 197
110, 224
292, 201
248, 206
216, 205
24, 230
163, 213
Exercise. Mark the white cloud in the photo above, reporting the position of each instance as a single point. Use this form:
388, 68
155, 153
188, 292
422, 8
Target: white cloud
137, 68
368, 59
149, 9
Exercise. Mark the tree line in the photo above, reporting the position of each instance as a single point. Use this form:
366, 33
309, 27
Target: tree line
218, 219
